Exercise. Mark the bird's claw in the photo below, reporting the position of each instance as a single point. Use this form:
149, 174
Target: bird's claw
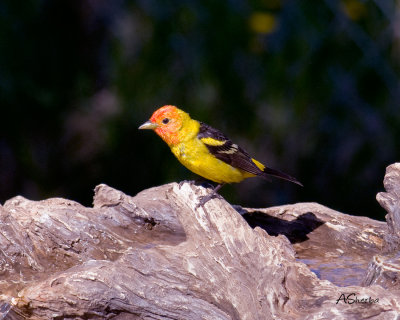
204, 199
201, 203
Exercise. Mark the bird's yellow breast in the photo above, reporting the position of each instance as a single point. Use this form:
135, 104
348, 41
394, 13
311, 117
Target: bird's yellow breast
194, 155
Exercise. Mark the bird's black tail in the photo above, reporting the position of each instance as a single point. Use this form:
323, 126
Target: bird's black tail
281, 175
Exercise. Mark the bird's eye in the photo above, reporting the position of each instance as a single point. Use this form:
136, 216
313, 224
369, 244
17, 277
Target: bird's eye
165, 120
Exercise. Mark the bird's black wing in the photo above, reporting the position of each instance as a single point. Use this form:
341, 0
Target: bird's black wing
225, 150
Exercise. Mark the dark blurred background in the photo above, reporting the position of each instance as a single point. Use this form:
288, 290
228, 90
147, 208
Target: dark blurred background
308, 87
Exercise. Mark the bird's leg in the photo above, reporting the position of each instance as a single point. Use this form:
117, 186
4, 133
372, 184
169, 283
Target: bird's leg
205, 199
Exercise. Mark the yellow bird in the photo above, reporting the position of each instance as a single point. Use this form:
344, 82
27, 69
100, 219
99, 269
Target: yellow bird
207, 151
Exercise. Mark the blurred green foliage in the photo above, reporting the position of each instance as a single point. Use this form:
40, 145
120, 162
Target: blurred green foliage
308, 87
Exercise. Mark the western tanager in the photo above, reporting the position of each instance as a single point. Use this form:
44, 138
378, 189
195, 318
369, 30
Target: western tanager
207, 151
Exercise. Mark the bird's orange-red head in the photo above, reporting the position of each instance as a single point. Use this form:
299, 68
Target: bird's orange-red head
167, 123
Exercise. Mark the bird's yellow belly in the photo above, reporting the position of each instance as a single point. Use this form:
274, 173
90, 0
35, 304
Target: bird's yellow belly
195, 157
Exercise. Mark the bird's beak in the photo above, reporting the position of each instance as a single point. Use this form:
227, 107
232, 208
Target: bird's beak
149, 125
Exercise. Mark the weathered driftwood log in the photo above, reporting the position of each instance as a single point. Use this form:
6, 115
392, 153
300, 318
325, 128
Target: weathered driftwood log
155, 256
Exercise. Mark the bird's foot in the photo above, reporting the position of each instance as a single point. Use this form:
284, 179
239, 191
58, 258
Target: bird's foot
204, 199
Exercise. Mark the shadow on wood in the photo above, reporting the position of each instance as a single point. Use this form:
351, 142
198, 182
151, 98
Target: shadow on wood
295, 230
